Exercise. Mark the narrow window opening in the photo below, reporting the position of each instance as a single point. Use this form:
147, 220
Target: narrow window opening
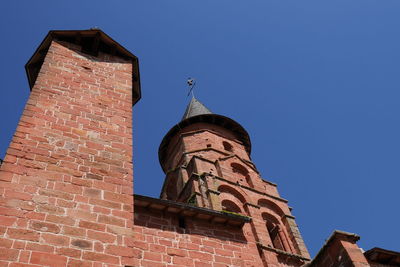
242, 174
276, 233
227, 146
273, 231
182, 222
208, 145
86, 68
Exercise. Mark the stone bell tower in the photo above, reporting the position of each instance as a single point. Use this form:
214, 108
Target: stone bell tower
66, 181
206, 158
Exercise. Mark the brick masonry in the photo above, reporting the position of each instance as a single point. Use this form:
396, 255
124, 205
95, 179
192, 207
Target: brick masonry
340, 250
66, 183
208, 162
159, 241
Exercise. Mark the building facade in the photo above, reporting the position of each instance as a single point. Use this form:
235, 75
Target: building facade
66, 183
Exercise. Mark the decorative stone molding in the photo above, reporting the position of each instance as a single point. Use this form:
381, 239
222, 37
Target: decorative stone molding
251, 189
252, 205
282, 252
288, 216
213, 191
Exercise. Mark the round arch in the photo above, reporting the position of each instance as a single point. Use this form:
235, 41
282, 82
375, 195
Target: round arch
277, 232
242, 172
269, 217
230, 190
227, 146
229, 205
265, 203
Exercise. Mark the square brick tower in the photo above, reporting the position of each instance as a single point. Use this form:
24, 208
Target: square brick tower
66, 189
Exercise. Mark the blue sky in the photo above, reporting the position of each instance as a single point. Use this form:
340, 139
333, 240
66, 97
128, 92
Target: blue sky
315, 83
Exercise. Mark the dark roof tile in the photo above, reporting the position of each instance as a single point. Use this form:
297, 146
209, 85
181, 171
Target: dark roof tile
195, 108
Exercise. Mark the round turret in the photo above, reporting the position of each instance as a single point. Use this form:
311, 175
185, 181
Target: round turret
196, 112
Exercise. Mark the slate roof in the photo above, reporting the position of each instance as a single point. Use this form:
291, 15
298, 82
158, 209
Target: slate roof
195, 108
383, 256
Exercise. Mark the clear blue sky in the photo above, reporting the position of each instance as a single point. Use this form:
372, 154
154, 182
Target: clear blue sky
315, 83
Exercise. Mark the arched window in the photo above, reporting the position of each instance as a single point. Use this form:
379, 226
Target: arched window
269, 205
227, 146
275, 232
228, 205
242, 173
226, 189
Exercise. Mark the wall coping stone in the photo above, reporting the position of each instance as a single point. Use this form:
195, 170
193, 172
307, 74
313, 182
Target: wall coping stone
190, 211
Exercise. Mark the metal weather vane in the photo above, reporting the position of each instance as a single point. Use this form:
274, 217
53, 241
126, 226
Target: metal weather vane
191, 83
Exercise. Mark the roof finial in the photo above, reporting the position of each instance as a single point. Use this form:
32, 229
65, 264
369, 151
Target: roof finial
191, 83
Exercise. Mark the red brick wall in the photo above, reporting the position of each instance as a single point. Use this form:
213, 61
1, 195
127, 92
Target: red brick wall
222, 177
340, 250
160, 242
66, 181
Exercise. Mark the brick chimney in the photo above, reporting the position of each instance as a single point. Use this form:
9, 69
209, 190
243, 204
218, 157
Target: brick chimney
66, 183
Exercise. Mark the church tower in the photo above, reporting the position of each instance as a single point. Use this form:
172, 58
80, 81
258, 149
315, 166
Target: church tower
206, 159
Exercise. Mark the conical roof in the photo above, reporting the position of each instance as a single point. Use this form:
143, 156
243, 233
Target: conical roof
195, 108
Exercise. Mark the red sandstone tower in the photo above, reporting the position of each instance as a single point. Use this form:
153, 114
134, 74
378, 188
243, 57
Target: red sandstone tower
66, 182
206, 158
